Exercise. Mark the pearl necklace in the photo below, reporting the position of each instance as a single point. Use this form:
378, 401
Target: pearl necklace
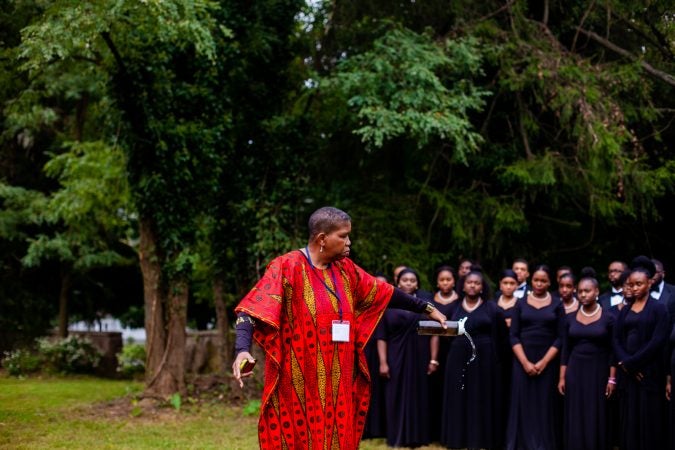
471, 309
597, 309
445, 299
509, 304
572, 306
546, 298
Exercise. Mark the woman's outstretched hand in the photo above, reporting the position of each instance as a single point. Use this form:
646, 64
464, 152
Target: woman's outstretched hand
236, 367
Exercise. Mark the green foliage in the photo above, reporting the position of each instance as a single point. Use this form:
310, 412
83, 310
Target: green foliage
252, 408
408, 86
70, 355
176, 401
82, 219
21, 362
131, 360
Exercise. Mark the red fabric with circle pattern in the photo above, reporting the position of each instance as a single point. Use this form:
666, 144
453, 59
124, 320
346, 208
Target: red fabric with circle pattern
316, 391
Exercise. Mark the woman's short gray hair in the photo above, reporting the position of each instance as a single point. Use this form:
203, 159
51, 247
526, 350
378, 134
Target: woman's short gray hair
326, 220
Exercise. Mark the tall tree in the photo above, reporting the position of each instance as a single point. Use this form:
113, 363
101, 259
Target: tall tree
162, 74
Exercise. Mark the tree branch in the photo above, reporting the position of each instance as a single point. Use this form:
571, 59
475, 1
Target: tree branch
490, 15
581, 24
659, 74
521, 127
660, 42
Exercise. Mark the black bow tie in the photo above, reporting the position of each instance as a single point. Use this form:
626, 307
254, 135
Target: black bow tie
617, 294
655, 288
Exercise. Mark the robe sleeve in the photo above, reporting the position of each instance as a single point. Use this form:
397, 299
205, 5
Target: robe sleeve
264, 304
371, 297
264, 301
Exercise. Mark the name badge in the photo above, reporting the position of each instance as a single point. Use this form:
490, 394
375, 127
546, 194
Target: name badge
340, 331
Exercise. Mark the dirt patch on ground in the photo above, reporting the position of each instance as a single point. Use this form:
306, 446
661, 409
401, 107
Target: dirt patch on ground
202, 390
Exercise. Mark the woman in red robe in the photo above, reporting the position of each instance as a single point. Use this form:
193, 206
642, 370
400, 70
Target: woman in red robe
312, 313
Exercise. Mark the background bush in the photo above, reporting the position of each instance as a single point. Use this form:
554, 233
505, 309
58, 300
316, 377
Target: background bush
21, 362
70, 355
131, 360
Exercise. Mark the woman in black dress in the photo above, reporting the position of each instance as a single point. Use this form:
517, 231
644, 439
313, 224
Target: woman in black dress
444, 300
508, 282
506, 302
471, 414
404, 361
587, 376
640, 336
536, 326
566, 292
614, 402
376, 421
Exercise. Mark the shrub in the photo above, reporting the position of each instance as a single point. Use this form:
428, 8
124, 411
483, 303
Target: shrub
131, 360
20, 362
70, 355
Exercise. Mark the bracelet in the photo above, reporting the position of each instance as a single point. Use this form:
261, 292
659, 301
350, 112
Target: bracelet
611, 380
434, 362
244, 319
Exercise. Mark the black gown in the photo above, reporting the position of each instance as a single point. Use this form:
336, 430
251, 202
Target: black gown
376, 420
407, 390
436, 379
506, 363
640, 343
586, 351
472, 409
614, 402
534, 421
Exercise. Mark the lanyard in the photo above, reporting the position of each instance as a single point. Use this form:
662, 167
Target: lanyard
328, 288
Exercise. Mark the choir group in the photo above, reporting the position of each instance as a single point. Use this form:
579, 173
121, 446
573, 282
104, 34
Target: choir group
540, 368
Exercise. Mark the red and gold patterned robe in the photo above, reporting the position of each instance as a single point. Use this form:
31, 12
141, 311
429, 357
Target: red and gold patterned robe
317, 391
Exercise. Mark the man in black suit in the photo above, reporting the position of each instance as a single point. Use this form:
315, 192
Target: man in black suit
662, 291
522, 270
614, 296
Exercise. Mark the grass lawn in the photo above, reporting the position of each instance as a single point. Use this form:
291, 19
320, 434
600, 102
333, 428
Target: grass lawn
79, 413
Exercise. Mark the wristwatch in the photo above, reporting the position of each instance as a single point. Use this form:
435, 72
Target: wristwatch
429, 308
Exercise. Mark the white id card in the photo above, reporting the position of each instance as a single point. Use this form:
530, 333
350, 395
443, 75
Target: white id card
340, 331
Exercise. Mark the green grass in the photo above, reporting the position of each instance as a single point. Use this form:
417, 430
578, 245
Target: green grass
78, 413
67, 413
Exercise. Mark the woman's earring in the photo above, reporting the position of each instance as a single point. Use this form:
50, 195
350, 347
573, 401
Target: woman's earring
321, 249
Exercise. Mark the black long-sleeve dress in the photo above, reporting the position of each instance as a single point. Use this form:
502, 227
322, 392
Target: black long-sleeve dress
437, 379
586, 351
376, 421
472, 397
506, 362
534, 415
639, 343
407, 390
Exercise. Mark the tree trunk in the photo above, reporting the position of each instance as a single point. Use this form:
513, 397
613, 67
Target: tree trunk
66, 282
169, 377
155, 328
222, 324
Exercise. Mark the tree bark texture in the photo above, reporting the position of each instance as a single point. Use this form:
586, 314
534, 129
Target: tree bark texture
169, 376
152, 294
